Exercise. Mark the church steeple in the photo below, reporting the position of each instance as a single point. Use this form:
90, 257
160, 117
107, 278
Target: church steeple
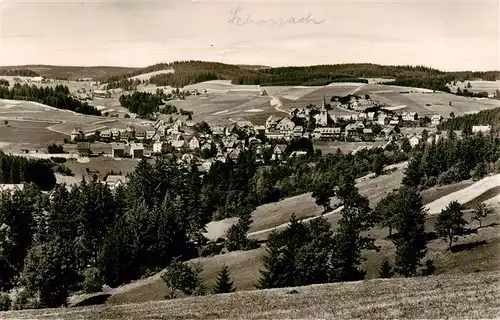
324, 102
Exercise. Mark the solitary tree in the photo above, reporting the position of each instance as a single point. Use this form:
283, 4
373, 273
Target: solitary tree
480, 213
451, 224
322, 194
223, 283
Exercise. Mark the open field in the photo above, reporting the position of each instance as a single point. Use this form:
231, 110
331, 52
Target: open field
457, 296
477, 86
466, 194
27, 134
53, 124
416, 100
147, 76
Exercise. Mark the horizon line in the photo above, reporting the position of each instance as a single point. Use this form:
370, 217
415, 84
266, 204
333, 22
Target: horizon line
242, 64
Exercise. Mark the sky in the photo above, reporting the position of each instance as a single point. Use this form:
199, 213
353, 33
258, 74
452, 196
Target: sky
448, 35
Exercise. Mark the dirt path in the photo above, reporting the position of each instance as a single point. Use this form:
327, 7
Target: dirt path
279, 104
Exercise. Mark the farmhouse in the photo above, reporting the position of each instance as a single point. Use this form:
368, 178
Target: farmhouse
368, 132
483, 129
285, 125
117, 150
115, 181
83, 148
217, 130
136, 150
410, 116
101, 94
436, 119
106, 134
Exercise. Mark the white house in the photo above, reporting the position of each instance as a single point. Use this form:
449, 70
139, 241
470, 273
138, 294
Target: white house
414, 141
178, 143
410, 116
483, 129
194, 143
136, 150
383, 119
436, 119
159, 146
114, 181
371, 116
105, 134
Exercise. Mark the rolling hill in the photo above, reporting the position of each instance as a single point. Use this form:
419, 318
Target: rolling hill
457, 296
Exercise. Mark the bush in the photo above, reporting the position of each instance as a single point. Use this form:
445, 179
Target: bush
93, 281
54, 148
429, 268
5, 302
58, 159
185, 278
24, 300
447, 177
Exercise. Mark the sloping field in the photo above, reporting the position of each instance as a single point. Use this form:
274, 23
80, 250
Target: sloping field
27, 134
63, 121
456, 296
147, 76
465, 195
316, 97
269, 216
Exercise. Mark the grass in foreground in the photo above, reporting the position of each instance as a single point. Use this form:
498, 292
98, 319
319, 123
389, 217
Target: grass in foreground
446, 296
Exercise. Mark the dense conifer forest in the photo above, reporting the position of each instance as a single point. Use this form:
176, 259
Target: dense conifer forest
189, 72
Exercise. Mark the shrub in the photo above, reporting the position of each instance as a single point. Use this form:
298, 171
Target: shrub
5, 302
429, 268
185, 278
24, 300
92, 280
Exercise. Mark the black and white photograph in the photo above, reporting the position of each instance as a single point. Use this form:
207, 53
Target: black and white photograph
227, 159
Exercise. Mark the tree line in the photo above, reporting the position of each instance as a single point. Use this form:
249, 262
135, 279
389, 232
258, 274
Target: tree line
16, 170
452, 160
465, 122
18, 73
189, 72
4, 82
57, 97
141, 103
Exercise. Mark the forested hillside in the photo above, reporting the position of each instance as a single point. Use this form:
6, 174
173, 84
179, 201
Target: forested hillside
465, 122
19, 169
57, 97
189, 72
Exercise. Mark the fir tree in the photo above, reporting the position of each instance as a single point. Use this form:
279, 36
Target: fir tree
410, 241
223, 283
385, 270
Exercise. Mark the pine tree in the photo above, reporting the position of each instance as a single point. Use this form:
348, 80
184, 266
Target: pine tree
413, 175
385, 270
223, 283
410, 241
